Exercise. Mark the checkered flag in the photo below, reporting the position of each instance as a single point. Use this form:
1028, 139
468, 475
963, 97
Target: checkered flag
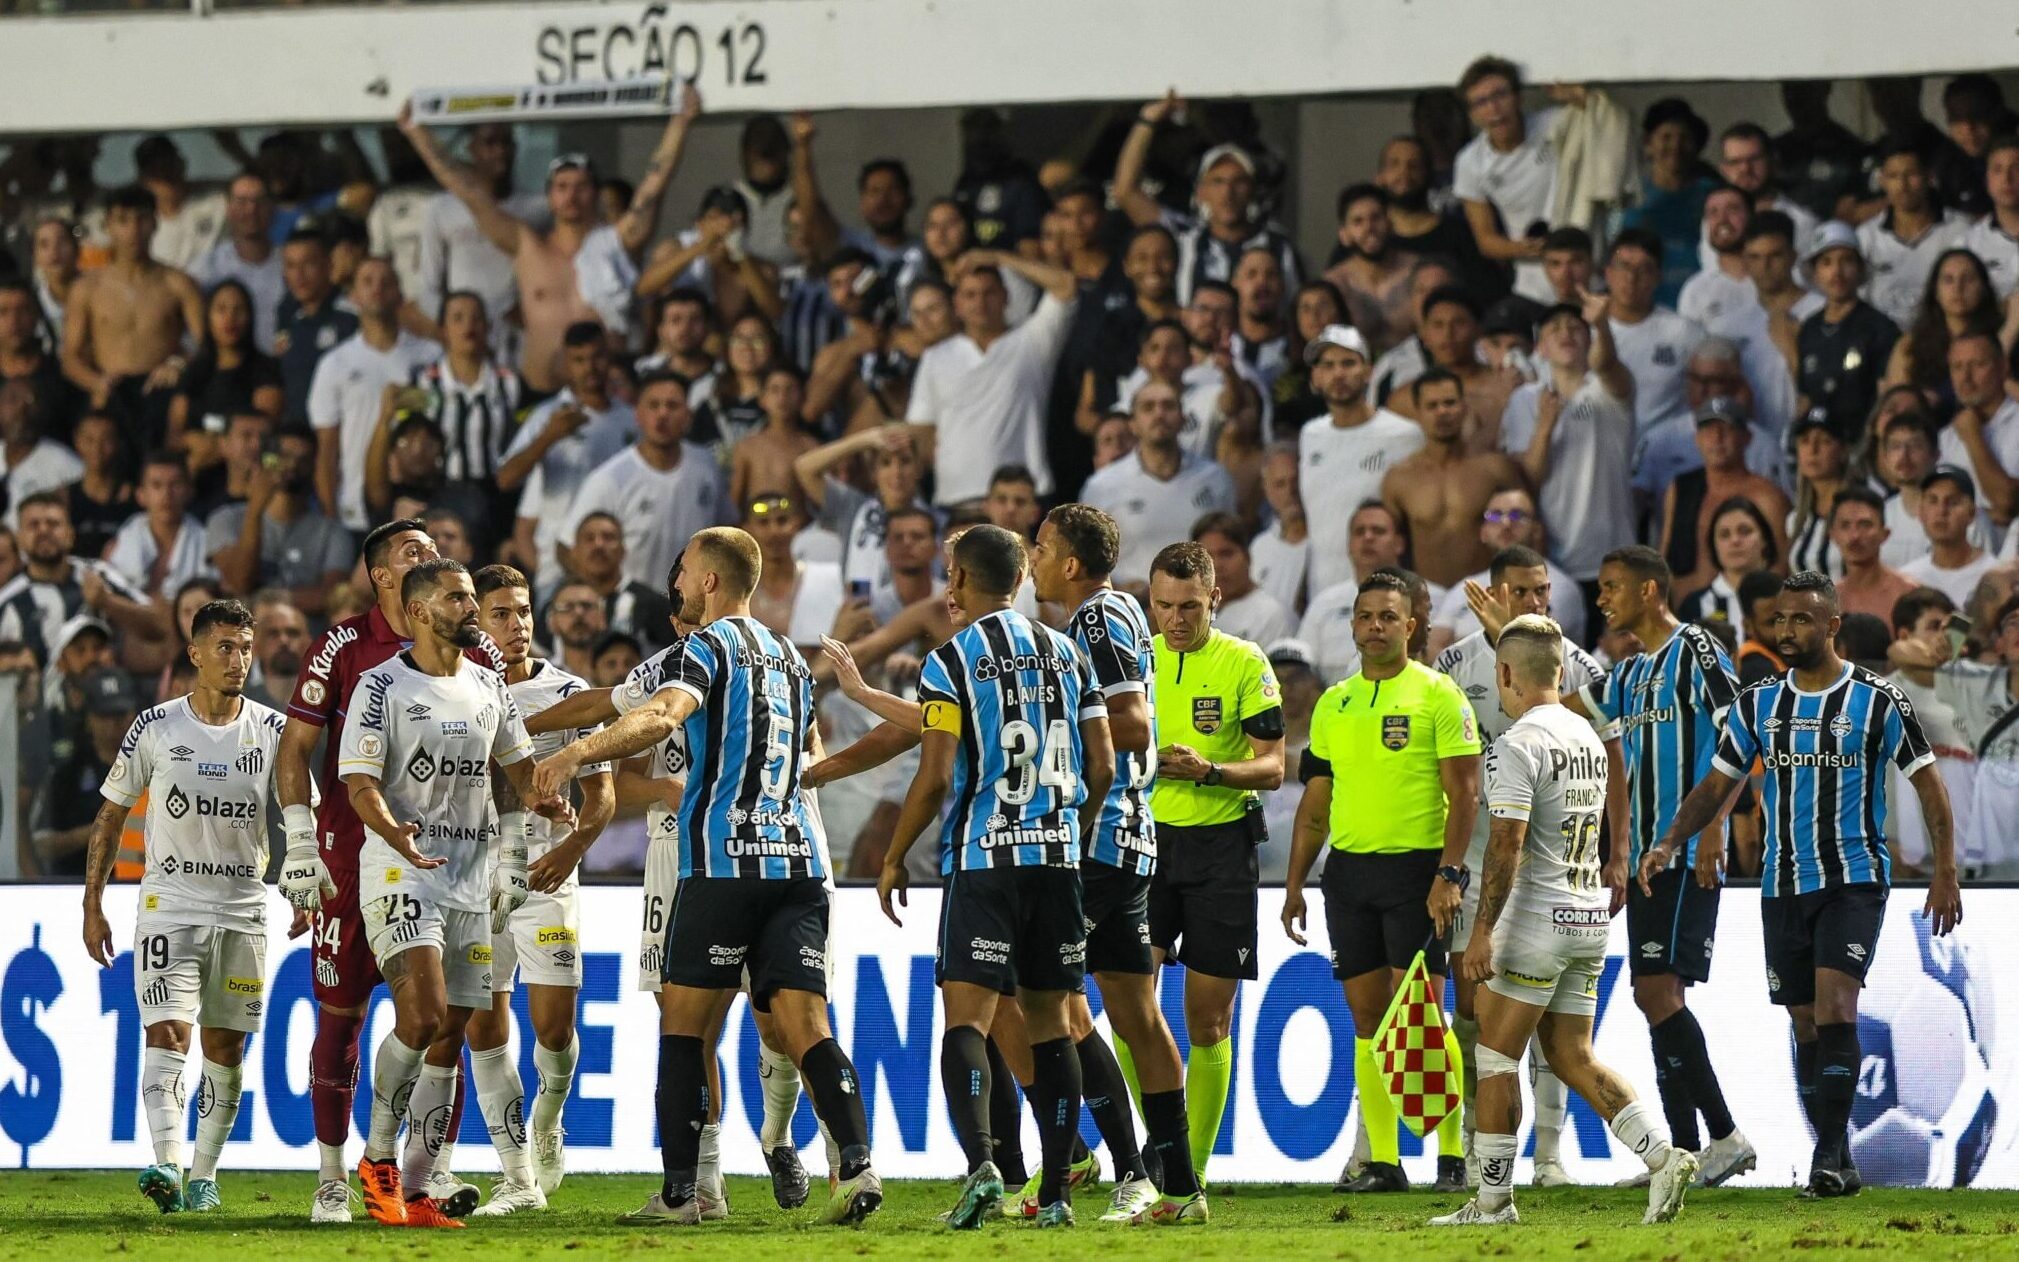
1417, 1054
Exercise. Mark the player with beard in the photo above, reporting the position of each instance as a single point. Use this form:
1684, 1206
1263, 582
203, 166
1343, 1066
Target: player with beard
416, 759
655, 781
752, 908
204, 763
542, 940
319, 873
1827, 731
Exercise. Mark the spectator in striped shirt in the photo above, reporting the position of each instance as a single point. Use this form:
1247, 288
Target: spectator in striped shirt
1226, 227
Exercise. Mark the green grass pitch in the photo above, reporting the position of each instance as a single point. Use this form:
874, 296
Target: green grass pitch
74, 1214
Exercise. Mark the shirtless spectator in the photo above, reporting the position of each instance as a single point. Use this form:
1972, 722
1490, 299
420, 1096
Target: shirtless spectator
1858, 529
1374, 275
347, 392
125, 324
766, 458
1510, 521
1439, 491
248, 255
1450, 332
580, 269
1723, 432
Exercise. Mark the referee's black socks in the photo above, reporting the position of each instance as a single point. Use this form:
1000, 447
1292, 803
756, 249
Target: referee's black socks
683, 1110
1107, 1095
964, 1075
1837, 1063
1055, 1088
837, 1097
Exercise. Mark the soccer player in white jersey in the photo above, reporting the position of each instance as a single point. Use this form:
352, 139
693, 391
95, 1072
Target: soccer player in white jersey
1544, 916
205, 762
1520, 585
416, 758
664, 769
541, 943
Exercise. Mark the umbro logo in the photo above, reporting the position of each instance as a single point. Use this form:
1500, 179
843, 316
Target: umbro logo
1770, 725
1856, 950
1650, 950
417, 711
182, 753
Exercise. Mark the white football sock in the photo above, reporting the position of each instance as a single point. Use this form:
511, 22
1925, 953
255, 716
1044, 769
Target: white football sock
395, 1066
165, 1101
781, 1098
1467, 1031
216, 1114
501, 1094
330, 1162
708, 1172
428, 1107
1496, 1168
557, 1078
1552, 1102
1644, 1137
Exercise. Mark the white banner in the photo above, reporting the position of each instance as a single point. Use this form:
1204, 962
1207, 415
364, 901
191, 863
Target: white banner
344, 63
1937, 1092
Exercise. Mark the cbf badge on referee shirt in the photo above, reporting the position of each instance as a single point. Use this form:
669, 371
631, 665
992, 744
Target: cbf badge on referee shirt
1395, 731
1206, 714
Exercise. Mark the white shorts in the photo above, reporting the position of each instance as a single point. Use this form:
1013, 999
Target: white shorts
1468, 908
400, 922
205, 974
662, 878
542, 943
1551, 959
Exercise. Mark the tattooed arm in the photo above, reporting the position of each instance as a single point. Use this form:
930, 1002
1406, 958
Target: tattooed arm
1504, 839
102, 850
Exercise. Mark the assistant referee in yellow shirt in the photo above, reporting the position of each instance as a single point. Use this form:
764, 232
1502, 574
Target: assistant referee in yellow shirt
1391, 783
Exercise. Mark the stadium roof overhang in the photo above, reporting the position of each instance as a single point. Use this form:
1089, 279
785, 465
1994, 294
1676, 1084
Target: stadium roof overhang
336, 63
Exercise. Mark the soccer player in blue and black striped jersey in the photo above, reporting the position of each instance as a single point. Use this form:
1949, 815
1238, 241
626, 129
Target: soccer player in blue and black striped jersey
1669, 701
1076, 550
1827, 732
1016, 731
750, 899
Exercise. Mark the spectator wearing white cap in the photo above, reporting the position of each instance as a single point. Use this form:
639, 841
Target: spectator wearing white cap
1156, 492
1983, 435
1246, 609
1344, 456
984, 389
1953, 563
1211, 241
1843, 348
1902, 242
1995, 237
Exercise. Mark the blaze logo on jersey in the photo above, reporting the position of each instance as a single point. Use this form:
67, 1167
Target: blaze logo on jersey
420, 768
177, 804
1395, 731
1207, 713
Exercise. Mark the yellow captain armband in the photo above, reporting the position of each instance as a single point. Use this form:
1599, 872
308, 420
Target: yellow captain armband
941, 716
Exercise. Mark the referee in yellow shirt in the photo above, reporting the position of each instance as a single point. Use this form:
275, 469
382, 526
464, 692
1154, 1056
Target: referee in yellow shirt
1219, 740
1391, 783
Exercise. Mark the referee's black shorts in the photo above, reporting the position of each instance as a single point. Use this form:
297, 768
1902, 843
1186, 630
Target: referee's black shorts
1674, 929
1377, 911
1203, 898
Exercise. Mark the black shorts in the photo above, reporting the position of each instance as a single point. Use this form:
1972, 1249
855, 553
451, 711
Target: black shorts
1116, 908
1012, 927
721, 926
1203, 897
1377, 911
1674, 929
1836, 927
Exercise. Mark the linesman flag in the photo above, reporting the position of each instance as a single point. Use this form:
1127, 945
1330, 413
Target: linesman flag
1417, 1053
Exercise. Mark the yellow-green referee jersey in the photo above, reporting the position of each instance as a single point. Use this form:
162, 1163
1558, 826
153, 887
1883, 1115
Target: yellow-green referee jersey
1381, 742
1210, 699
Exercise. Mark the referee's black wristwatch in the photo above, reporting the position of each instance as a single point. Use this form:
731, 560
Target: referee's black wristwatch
1455, 875
1214, 774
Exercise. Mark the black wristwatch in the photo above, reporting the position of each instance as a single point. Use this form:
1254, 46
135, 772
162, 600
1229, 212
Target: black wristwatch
1457, 876
1215, 774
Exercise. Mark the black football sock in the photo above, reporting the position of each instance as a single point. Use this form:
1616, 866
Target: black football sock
1836, 1087
1107, 1096
1171, 1140
1805, 1080
964, 1075
683, 1108
1708, 1096
1055, 1087
1005, 1119
837, 1098
1678, 1105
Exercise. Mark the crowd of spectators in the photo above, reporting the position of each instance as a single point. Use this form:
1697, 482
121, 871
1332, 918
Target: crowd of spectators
1544, 323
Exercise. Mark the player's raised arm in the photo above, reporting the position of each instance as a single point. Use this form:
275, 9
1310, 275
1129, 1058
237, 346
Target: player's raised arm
586, 708
890, 708
636, 732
